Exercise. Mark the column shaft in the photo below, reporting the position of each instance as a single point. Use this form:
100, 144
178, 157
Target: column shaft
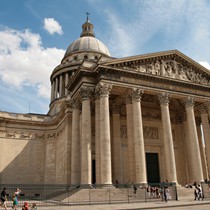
197, 172
202, 152
105, 140
61, 86
97, 141
86, 138
117, 145
139, 139
130, 132
56, 88
206, 132
168, 139
75, 146
66, 83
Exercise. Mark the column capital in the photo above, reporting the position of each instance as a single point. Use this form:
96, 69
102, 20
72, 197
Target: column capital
164, 98
198, 121
207, 105
75, 103
115, 108
203, 109
86, 92
137, 94
103, 89
128, 97
180, 118
96, 95
188, 102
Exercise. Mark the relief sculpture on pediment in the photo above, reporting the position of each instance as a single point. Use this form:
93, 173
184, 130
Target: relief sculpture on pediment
169, 68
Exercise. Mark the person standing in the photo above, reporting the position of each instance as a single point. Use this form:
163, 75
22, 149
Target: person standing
200, 192
15, 198
4, 198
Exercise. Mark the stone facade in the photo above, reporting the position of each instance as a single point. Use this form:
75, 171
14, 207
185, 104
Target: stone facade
113, 118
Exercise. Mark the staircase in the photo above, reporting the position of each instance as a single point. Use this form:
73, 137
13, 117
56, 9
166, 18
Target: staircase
185, 193
102, 195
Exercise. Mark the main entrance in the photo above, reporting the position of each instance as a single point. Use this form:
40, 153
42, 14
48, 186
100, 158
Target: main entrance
153, 174
93, 171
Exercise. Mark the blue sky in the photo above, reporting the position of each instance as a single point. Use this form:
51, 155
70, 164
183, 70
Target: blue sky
34, 35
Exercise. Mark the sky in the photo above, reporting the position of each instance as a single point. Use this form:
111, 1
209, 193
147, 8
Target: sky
34, 35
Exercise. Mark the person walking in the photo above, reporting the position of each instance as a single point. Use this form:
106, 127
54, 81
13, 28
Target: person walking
33, 207
200, 192
4, 198
15, 198
25, 206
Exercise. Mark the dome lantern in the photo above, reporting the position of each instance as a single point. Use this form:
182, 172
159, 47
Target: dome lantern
87, 42
87, 28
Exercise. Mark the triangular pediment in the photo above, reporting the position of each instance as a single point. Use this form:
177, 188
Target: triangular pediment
169, 64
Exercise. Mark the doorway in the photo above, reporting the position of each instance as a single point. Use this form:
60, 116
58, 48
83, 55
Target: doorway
93, 171
153, 173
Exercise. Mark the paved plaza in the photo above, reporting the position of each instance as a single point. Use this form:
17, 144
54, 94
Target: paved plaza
181, 205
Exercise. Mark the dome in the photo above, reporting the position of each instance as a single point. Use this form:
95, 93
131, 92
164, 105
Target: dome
87, 42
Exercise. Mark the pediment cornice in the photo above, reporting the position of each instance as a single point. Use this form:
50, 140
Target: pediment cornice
169, 64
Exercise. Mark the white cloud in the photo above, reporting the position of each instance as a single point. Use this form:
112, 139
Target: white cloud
157, 25
52, 26
205, 64
25, 62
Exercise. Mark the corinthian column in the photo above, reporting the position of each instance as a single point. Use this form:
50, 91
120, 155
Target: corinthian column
97, 138
130, 132
197, 172
66, 82
86, 160
75, 145
117, 143
61, 86
205, 123
105, 141
140, 159
168, 138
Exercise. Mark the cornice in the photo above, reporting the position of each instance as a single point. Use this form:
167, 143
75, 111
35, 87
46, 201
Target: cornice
155, 55
121, 77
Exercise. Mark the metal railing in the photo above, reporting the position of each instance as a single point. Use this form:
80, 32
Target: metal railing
48, 195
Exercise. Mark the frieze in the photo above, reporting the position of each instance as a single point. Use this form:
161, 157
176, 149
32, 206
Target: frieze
151, 116
123, 131
150, 132
167, 68
21, 135
40, 136
51, 135
167, 85
61, 130
26, 135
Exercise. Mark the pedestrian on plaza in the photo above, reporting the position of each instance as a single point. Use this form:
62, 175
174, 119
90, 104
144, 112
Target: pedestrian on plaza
15, 198
4, 198
196, 192
200, 192
116, 183
34, 207
166, 194
25, 206
134, 188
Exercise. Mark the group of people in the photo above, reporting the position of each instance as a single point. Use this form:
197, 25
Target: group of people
15, 200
